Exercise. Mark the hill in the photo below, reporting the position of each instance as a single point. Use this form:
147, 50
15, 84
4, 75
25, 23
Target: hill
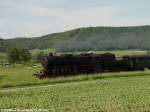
87, 39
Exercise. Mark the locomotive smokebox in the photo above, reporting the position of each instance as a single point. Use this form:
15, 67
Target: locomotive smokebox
44, 62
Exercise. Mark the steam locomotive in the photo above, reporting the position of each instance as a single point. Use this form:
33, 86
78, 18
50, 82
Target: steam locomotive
66, 65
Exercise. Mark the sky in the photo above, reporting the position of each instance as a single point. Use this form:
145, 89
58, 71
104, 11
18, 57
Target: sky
32, 18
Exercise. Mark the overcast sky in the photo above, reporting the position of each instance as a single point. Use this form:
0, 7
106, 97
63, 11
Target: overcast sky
30, 18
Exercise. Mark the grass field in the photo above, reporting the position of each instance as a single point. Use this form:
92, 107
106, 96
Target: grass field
107, 92
116, 52
118, 94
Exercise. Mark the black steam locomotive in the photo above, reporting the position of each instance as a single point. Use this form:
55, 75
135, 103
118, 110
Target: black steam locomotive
66, 65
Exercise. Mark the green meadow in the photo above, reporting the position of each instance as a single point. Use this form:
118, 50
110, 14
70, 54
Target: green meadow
115, 94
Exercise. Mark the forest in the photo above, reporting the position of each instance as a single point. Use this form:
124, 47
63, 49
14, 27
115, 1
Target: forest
86, 39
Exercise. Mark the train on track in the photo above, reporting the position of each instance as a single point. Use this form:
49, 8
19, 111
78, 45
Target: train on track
69, 64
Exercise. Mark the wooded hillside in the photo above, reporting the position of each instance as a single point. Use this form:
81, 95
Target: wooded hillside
87, 39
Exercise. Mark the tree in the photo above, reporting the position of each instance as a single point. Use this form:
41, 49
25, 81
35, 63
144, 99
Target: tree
25, 55
13, 55
17, 55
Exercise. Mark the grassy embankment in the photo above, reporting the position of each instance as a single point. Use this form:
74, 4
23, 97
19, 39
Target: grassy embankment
22, 76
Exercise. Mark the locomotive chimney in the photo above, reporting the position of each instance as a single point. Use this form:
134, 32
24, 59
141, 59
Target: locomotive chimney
50, 54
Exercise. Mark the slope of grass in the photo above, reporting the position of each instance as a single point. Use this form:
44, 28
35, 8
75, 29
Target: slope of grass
16, 76
129, 94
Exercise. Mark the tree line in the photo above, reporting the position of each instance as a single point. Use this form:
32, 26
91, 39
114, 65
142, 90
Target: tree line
16, 55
